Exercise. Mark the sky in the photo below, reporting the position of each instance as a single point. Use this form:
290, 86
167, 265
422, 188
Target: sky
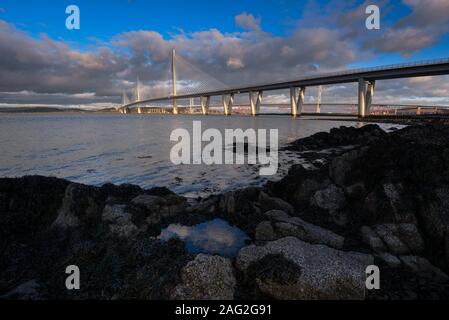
219, 44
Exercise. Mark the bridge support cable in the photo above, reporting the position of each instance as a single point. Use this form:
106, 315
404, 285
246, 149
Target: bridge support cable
205, 103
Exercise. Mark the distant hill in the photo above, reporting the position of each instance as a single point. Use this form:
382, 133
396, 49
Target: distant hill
39, 109
107, 110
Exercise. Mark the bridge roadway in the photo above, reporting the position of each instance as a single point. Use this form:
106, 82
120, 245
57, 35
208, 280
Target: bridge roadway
366, 79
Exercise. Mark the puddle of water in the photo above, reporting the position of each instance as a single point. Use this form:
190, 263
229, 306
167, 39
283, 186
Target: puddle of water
212, 237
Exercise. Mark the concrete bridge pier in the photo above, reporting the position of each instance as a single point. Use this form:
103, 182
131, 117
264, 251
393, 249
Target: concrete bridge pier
370, 95
255, 102
302, 93
362, 98
205, 103
227, 105
125, 110
366, 94
297, 103
231, 103
293, 103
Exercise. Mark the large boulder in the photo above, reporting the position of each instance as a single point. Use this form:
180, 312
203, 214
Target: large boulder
241, 208
299, 185
314, 271
29, 290
388, 202
206, 278
119, 220
423, 267
434, 221
342, 136
267, 203
29, 206
283, 226
81, 205
157, 208
341, 166
397, 239
331, 201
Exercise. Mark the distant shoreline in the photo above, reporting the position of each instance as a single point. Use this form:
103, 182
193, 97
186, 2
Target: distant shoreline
39, 110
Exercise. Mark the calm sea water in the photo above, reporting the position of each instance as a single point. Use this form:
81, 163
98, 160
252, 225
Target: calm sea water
99, 148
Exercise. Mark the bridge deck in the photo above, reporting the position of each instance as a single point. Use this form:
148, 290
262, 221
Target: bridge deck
428, 68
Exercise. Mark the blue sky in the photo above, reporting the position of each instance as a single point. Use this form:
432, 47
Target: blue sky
232, 40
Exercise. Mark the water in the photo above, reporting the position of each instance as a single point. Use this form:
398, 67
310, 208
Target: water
99, 148
212, 237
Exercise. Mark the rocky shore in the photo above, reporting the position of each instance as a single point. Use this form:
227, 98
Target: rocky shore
375, 198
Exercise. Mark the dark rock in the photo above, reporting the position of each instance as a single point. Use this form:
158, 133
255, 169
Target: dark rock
267, 203
81, 205
331, 201
299, 185
206, 278
312, 271
339, 137
29, 205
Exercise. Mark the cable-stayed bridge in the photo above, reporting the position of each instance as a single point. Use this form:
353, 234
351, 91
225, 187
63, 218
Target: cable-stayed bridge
206, 87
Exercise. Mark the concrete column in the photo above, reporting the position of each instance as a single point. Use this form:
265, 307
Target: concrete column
259, 101
252, 104
225, 105
231, 103
205, 102
293, 105
362, 97
300, 104
191, 105
318, 100
370, 95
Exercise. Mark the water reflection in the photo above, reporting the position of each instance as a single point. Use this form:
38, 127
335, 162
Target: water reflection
213, 237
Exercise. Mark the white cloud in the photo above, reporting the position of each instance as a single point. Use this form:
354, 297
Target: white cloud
248, 22
235, 63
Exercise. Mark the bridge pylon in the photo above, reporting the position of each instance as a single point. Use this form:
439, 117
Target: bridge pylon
173, 72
